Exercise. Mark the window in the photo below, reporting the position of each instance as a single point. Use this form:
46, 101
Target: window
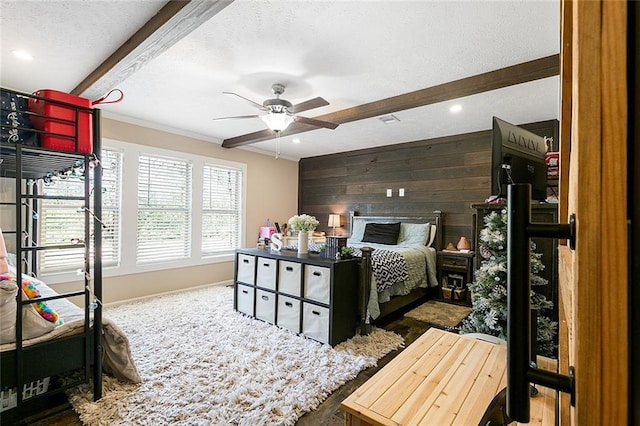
176, 210
111, 202
164, 209
62, 221
221, 209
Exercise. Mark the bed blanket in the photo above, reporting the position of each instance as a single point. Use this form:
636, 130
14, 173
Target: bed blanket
117, 359
389, 267
421, 263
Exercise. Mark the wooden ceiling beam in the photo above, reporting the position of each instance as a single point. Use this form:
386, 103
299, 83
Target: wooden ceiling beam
517, 74
174, 21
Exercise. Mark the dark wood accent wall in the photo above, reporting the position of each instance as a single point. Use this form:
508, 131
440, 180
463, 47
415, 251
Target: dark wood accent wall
449, 174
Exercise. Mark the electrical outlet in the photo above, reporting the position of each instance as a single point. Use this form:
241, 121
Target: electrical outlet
401, 192
389, 193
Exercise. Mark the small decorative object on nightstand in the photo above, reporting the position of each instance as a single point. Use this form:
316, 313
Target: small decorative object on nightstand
455, 271
463, 245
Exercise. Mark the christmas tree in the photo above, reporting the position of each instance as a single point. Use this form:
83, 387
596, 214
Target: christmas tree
489, 289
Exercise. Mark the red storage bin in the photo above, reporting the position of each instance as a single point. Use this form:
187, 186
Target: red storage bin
62, 120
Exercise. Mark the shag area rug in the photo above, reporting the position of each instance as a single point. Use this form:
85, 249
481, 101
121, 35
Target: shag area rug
202, 363
440, 314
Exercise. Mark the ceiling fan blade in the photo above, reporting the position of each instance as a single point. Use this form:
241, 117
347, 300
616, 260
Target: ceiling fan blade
307, 105
235, 117
314, 122
255, 104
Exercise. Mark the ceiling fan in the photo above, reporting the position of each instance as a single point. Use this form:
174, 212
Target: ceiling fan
280, 112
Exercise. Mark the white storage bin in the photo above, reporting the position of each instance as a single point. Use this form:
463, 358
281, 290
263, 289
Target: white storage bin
315, 322
245, 296
246, 268
317, 283
289, 313
266, 306
289, 277
266, 277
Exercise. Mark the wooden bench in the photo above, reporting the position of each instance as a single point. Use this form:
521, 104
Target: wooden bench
441, 379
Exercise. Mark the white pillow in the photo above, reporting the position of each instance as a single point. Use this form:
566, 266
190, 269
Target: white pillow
11, 259
357, 229
8, 291
33, 325
414, 234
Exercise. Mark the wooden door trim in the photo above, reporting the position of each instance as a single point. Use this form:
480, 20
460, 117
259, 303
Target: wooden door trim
613, 206
593, 278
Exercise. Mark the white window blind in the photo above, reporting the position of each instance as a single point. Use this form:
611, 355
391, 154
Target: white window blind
111, 206
62, 221
221, 209
164, 209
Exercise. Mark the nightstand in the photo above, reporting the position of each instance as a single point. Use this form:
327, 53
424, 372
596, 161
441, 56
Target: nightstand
455, 271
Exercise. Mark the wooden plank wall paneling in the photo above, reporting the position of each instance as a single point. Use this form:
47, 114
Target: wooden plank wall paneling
448, 174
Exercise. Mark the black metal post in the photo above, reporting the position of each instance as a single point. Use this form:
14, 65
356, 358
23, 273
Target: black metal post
97, 266
518, 302
365, 289
520, 372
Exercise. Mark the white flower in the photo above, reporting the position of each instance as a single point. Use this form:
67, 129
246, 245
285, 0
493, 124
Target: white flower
303, 222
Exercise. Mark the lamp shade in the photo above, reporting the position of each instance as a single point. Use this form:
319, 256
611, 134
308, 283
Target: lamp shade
277, 121
334, 220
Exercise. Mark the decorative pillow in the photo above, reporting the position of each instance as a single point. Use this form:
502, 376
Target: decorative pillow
381, 233
31, 292
37, 318
414, 234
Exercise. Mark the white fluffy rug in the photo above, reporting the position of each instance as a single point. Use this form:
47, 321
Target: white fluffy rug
202, 363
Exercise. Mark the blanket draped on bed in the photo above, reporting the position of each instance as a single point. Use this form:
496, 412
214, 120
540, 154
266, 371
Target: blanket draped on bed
389, 267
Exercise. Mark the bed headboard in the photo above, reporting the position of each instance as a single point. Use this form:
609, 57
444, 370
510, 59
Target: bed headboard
436, 218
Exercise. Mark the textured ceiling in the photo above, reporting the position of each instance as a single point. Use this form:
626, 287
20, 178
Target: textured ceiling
348, 52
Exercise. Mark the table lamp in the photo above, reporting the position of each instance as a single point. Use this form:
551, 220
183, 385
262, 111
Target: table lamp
334, 222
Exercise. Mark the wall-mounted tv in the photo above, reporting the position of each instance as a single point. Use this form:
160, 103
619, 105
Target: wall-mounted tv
517, 156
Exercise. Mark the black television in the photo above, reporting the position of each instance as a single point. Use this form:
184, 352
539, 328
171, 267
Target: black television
517, 156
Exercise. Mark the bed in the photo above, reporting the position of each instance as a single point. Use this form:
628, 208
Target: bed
402, 267
55, 339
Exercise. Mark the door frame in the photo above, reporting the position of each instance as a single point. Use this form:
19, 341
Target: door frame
593, 278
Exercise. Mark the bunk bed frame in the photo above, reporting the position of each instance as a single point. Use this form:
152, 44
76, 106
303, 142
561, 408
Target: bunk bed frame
83, 351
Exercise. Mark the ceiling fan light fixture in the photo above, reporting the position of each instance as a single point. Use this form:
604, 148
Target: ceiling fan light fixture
277, 121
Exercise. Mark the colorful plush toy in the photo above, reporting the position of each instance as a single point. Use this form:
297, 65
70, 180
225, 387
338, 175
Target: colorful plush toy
30, 290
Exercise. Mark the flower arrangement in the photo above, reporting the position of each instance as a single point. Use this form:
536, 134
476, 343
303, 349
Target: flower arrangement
303, 222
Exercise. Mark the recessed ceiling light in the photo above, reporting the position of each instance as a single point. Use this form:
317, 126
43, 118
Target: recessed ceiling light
455, 108
389, 119
295, 140
22, 54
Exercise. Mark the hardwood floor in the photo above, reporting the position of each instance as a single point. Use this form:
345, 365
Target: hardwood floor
56, 411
